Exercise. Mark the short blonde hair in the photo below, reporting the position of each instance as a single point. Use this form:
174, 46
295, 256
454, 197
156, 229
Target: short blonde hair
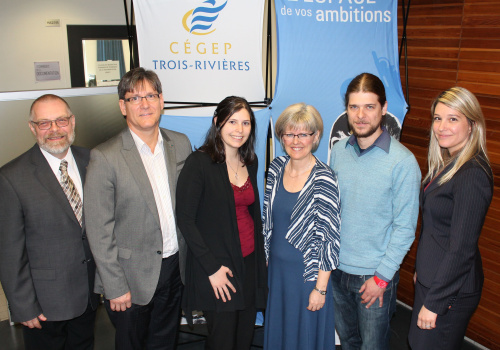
464, 102
296, 116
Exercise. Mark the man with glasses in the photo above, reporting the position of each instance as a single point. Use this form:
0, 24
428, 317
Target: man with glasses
129, 206
46, 267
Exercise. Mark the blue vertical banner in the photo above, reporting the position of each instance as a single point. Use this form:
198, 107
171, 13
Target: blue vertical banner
322, 46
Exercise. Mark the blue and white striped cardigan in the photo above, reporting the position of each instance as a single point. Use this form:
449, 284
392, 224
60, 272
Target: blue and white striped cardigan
315, 223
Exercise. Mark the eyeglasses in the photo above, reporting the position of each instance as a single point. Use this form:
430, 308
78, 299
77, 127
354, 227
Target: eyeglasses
135, 100
290, 137
47, 124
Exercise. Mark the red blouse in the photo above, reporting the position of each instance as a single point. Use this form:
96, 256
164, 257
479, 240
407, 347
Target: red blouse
243, 197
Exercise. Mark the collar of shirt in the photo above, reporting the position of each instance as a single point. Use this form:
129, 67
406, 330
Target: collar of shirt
383, 142
73, 171
144, 148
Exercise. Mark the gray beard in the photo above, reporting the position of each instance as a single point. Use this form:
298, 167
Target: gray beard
59, 149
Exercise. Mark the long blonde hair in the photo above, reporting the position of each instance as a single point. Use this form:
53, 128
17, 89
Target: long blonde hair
464, 102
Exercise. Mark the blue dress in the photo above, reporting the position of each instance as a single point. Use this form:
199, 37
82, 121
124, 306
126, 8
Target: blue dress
288, 323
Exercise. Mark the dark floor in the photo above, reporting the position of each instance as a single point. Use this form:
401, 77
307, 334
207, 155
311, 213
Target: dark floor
193, 339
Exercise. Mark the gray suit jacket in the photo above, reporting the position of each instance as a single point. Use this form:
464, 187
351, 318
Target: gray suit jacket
45, 261
122, 219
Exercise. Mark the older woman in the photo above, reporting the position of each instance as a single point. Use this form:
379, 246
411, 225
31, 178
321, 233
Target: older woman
301, 220
455, 197
218, 213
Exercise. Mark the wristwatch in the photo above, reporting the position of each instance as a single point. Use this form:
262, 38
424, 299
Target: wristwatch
322, 292
379, 282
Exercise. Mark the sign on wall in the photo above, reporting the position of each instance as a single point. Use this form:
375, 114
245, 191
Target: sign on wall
45, 71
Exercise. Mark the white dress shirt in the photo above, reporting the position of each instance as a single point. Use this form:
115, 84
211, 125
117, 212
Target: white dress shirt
156, 168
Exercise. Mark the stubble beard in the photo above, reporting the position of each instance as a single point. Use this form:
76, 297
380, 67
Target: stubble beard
365, 134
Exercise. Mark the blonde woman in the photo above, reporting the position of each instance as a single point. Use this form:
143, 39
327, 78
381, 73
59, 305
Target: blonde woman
301, 220
455, 197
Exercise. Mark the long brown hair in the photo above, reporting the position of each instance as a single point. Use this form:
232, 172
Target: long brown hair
214, 145
366, 82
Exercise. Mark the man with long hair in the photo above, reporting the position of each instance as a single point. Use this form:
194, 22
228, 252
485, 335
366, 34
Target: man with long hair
379, 180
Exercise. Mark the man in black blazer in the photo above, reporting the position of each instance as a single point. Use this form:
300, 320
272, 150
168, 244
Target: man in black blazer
46, 267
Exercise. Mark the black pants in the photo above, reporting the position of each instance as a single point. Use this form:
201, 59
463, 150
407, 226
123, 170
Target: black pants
233, 330
450, 327
155, 325
74, 334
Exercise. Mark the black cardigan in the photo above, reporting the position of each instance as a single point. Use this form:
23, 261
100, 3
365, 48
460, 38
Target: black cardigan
206, 216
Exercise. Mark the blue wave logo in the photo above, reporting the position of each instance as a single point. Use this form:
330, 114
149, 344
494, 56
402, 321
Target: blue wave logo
200, 21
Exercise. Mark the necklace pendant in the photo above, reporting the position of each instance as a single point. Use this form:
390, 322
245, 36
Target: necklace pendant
236, 176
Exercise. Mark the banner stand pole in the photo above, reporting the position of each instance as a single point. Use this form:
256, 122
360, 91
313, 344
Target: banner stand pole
262, 104
131, 37
404, 43
269, 57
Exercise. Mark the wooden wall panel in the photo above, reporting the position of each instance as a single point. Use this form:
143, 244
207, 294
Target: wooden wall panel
457, 42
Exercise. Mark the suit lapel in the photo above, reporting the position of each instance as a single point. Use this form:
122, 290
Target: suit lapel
171, 162
435, 183
48, 180
136, 167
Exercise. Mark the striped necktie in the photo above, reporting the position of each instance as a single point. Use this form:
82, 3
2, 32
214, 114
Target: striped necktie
71, 192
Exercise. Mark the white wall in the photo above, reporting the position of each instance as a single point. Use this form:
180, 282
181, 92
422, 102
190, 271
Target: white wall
25, 39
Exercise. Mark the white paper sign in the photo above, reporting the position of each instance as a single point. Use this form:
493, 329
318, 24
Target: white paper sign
108, 73
47, 71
